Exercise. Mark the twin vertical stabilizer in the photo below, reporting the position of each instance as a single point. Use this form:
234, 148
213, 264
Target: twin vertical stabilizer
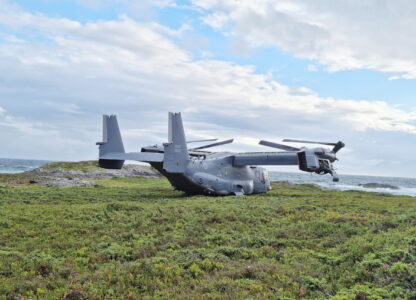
176, 153
112, 155
112, 143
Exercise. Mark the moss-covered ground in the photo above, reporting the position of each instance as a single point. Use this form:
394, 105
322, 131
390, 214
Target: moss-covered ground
137, 238
81, 166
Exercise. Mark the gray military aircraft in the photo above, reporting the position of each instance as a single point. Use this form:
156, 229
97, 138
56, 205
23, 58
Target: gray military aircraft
196, 171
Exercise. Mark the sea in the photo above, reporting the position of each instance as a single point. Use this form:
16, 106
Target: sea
12, 166
406, 186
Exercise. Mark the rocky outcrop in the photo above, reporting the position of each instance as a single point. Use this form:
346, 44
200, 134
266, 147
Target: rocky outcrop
373, 185
73, 174
64, 177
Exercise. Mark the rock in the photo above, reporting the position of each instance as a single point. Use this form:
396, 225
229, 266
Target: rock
61, 174
373, 185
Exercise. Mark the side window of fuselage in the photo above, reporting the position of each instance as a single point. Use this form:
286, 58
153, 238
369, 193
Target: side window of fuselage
257, 176
264, 176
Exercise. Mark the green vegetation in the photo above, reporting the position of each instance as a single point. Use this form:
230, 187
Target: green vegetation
52, 169
82, 166
137, 238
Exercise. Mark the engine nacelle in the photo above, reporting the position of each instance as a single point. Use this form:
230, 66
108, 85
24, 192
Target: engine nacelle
309, 162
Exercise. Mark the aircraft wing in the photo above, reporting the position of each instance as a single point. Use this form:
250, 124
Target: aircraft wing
266, 158
138, 156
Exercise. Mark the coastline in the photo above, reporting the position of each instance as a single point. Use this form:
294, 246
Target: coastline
84, 173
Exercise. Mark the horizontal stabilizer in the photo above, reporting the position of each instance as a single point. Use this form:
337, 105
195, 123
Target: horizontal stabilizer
111, 149
138, 156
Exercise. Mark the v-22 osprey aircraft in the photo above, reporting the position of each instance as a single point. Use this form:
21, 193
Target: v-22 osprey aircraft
197, 171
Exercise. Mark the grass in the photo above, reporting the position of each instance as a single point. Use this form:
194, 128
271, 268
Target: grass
137, 238
83, 166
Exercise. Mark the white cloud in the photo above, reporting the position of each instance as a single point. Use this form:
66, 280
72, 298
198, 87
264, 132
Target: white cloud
137, 4
67, 108
23, 126
375, 35
138, 71
312, 68
216, 20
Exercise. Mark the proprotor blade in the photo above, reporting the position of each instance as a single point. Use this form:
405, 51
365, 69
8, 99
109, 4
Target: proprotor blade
308, 142
198, 141
214, 144
278, 146
338, 146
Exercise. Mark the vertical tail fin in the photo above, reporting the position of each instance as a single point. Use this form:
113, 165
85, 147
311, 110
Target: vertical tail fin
176, 153
112, 143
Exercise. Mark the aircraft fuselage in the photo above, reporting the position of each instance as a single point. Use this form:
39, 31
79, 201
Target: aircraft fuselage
214, 174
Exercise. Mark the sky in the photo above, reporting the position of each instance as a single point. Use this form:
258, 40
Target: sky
245, 69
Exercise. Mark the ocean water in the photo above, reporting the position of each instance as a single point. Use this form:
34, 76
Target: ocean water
407, 186
10, 165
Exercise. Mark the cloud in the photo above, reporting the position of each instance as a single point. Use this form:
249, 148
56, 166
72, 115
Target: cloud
61, 81
25, 127
136, 4
66, 108
342, 35
312, 68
